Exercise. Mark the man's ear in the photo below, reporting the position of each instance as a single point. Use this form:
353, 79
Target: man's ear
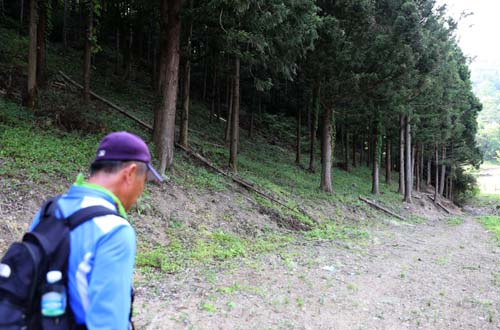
129, 172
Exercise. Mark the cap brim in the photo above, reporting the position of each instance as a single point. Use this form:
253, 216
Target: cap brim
153, 175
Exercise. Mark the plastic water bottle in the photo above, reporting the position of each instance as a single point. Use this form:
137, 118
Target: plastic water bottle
54, 298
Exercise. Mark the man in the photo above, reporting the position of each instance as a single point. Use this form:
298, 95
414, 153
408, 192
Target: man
102, 250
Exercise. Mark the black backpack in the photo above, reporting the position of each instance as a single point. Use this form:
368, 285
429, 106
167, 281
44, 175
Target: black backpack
24, 267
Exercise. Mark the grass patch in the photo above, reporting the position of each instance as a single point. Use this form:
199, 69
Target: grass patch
455, 221
492, 223
331, 231
36, 153
188, 248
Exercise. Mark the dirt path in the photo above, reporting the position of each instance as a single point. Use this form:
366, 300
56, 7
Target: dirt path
424, 276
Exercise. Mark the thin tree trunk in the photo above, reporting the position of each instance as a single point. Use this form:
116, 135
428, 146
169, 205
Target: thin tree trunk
436, 185
408, 162
417, 168
354, 140
361, 152
205, 73
413, 165
88, 51
347, 151
165, 144
297, 141
429, 171
326, 151
117, 53
65, 26
31, 95
251, 130
235, 118
450, 192
401, 188
41, 43
309, 111
227, 133
443, 171
214, 85
187, 85
369, 152
376, 153
388, 160
21, 16
218, 100
421, 168
314, 125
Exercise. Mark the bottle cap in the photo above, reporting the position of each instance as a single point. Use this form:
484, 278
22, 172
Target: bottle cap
54, 276
5, 270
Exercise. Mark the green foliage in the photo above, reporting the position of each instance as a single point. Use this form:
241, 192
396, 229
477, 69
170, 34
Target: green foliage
30, 150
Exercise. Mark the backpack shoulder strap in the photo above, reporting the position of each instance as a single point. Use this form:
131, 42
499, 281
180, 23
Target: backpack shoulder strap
88, 213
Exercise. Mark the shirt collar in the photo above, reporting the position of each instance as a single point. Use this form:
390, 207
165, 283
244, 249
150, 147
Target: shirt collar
80, 182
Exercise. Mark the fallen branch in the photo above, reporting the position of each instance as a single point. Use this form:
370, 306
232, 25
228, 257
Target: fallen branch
109, 103
440, 205
378, 207
243, 183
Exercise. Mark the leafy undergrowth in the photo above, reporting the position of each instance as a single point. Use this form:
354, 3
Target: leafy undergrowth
58, 141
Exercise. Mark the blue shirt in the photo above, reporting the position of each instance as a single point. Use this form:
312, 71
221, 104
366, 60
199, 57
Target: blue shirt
101, 260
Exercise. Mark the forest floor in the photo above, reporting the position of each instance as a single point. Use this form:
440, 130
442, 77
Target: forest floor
441, 274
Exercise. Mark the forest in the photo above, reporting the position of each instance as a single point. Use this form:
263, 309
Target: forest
376, 82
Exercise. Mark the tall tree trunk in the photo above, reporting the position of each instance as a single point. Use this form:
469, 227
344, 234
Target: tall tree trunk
31, 95
421, 167
297, 141
369, 152
187, 85
41, 43
218, 100
443, 170
251, 130
388, 160
21, 16
408, 161
314, 125
213, 95
376, 155
227, 133
353, 145
413, 165
401, 188
416, 160
362, 151
165, 144
65, 26
326, 151
347, 151
235, 119
163, 61
436, 185
117, 54
429, 171
88, 50
205, 74
450, 191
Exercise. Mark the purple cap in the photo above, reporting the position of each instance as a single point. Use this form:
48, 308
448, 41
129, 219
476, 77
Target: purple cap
126, 146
